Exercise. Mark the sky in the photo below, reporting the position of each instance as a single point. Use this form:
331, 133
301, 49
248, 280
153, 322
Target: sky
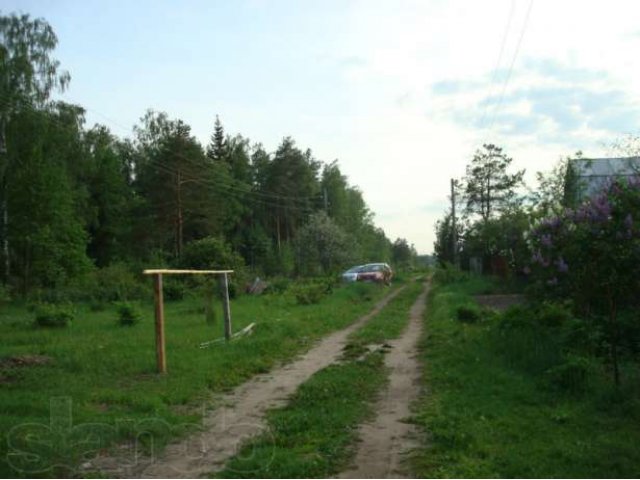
401, 92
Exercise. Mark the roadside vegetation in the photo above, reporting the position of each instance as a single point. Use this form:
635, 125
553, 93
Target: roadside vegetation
516, 394
104, 363
314, 435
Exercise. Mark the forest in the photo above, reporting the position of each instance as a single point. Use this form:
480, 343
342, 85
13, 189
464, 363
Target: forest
82, 208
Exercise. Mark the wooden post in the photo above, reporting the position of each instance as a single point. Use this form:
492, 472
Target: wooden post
160, 351
227, 308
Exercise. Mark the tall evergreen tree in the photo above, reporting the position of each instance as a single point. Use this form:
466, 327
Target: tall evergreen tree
488, 187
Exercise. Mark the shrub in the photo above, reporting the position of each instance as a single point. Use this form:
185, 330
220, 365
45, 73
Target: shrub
128, 315
5, 296
310, 293
553, 314
468, 314
173, 290
53, 316
449, 274
571, 376
278, 285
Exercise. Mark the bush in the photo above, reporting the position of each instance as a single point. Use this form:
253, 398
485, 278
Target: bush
53, 316
173, 290
5, 296
128, 315
571, 376
278, 285
449, 274
115, 283
468, 314
310, 293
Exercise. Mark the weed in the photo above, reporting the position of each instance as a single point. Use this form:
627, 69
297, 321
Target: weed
54, 316
128, 315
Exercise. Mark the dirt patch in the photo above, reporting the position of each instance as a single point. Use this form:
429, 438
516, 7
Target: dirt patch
239, 417
499, 302
20, 361
386, 440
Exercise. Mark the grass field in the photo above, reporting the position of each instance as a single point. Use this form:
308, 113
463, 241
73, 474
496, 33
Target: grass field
314, 435
486, 418
103, 374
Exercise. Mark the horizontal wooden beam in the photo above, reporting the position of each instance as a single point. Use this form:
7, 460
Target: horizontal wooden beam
181, 272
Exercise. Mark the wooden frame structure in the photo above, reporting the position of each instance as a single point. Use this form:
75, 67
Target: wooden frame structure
161, 357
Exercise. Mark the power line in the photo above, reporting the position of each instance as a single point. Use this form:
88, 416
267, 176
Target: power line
499, 59
513, 61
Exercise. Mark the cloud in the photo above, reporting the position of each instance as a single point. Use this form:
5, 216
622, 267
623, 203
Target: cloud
548, 99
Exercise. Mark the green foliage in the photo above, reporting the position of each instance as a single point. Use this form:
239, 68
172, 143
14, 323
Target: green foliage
58, 316
173, 289
403, 255
488, 188
322, 246
590, 256
5, 296
114, 283
449, 274
128, 315
309, 293
490, 418
468, 313
573, 375
278, 285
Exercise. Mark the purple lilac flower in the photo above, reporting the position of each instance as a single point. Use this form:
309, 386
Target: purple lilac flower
562, 265
546, 240
628, 221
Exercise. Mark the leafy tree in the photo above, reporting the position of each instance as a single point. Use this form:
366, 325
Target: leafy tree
403, 255
111, 197
28, 74
488, 187
322, 246
46, 233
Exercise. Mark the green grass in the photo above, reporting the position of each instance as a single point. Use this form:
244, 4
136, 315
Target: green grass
387, 325
487, 417
314, 435
107, 372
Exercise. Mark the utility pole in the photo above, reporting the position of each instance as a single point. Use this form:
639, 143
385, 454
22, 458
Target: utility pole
454, 230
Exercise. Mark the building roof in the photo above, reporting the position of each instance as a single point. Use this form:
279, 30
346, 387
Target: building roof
594, 173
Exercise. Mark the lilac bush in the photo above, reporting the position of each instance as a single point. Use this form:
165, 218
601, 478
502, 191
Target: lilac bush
591, 255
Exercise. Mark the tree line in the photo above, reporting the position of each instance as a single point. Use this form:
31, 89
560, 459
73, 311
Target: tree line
75, 198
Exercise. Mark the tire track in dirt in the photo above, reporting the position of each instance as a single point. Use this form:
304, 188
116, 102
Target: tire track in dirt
240, 416
386, 439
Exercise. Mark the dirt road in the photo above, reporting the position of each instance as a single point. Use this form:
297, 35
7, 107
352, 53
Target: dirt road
240, 417
386, 439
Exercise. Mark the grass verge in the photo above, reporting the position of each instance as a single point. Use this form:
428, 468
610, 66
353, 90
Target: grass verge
314, 435
103, 374
487, 418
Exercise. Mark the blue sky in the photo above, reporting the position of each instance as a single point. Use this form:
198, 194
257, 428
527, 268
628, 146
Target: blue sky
401, 92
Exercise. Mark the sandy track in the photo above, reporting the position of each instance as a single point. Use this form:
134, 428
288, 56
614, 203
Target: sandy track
385, 440
240, 417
